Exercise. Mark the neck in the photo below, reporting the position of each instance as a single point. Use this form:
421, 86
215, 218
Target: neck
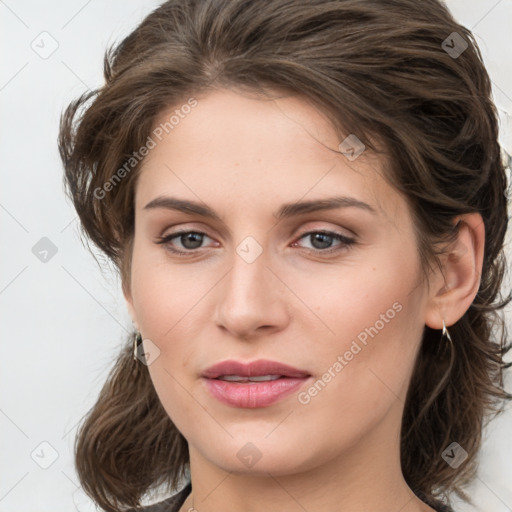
366, 476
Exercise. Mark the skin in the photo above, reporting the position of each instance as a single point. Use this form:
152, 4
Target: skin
244, 156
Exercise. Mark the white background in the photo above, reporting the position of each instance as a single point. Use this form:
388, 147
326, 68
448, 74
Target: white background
63, 321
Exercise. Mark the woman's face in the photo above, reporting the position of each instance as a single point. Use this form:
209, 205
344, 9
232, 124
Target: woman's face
259, 281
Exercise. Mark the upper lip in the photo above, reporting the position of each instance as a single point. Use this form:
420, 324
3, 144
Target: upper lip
253, 369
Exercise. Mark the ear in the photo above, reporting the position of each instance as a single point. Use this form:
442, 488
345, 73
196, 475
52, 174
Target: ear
454, 286
129, 304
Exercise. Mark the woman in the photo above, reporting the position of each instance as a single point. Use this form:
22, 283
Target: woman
306, 201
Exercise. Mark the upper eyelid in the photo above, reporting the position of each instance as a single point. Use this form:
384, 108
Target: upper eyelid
285, 224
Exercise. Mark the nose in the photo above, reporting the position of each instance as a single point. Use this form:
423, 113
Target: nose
251, 300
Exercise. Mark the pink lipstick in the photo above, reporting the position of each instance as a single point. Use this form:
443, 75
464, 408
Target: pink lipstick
256, 384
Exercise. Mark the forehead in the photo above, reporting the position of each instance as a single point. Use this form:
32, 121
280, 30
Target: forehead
235, 145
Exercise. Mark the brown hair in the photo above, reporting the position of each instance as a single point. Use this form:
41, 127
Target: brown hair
382, 68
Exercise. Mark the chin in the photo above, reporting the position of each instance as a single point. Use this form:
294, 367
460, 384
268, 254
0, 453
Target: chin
259, 456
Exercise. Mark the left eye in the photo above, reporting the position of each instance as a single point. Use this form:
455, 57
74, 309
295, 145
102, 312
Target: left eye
321, 241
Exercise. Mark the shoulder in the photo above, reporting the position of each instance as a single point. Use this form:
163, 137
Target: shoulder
171, 504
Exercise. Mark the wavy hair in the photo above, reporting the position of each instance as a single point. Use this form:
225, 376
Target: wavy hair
388, 70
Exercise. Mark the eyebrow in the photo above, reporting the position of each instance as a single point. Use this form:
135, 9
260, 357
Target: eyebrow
286, 210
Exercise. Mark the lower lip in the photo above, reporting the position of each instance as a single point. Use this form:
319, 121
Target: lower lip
252, 395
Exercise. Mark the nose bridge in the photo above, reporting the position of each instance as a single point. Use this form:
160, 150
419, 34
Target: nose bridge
250, 297
249, 276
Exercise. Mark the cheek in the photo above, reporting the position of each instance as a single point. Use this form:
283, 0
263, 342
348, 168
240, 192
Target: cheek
375, 301
164, 294
168, 299
375, 324
366, 368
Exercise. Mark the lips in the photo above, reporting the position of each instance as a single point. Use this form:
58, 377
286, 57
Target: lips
258, 368
256, 384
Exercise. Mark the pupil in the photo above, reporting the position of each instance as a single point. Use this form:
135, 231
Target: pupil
189, 237
319, 237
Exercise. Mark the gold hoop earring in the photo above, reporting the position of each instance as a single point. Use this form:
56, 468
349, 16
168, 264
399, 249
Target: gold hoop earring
137, 340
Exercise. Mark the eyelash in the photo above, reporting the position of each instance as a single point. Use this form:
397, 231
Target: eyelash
345, 242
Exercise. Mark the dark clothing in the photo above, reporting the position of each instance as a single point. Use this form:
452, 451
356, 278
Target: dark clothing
174, 503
